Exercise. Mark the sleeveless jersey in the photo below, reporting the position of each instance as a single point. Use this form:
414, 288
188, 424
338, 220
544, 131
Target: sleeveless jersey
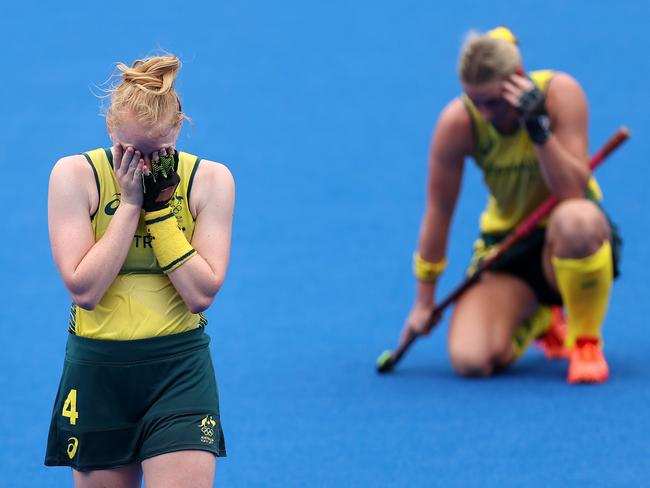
510, 169
141, 302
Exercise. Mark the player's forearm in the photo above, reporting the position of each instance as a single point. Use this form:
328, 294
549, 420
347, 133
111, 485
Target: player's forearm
197, 283
101, 264
565, 175
434, 230
191, 274
424, 293
432, 245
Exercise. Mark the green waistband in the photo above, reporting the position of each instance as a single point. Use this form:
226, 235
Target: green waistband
102, 351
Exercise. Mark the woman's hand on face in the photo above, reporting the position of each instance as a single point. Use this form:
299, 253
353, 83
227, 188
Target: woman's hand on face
514, 88
128, 165
167, 193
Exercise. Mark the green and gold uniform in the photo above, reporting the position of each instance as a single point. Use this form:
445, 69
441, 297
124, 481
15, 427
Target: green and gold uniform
516, 188
138, 378
141, 302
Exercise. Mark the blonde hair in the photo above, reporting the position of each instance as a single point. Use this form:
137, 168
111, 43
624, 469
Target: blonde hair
146, 90
488, 57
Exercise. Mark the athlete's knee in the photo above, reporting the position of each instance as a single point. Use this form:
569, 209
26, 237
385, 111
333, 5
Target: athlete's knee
471, 363
577, 228
504, 358
472, 369
480, 362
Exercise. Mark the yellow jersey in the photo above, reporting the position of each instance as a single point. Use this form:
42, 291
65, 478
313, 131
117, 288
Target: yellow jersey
510, 169
141, 302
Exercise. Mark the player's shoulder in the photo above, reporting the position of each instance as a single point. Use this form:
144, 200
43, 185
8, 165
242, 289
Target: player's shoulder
215, 172
73, 166
454, 128
565, 95
563, 82
455, 113
73, 179
213, 183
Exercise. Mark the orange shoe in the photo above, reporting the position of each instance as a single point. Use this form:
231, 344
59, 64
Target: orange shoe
587, 363
552, 341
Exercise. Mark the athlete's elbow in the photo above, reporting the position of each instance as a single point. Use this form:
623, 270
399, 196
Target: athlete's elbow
83, 296
197, 307
84, 293
85, 301
200, 304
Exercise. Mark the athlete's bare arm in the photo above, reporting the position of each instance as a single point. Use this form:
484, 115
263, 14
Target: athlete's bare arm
564, 157
211, 203
88, 267
452, 142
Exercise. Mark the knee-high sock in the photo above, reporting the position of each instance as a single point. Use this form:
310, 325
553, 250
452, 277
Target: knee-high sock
531, 328
585, 285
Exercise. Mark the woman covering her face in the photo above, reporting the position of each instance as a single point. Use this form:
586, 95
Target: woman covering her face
140, 233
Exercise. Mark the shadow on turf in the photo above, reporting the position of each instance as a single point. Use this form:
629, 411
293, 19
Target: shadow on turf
533, 366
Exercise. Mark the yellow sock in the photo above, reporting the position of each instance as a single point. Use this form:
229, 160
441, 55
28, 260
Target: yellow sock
534, 326
585, 285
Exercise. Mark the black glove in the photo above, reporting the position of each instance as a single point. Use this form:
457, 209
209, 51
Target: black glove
163, 176
532, 110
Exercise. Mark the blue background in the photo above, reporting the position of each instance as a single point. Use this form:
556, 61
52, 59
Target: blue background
323, 112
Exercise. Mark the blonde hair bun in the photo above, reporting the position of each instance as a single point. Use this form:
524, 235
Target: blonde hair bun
146, 91
154, 75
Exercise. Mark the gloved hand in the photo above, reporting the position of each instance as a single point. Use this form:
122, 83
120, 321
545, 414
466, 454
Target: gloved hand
529, 101
533, 112
161, 181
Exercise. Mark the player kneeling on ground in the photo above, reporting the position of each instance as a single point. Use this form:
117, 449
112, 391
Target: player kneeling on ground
527, 132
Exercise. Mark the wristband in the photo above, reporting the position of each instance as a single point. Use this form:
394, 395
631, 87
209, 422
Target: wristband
426, 271
170, 245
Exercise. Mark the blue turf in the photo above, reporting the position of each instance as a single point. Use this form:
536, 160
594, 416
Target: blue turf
323, 111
